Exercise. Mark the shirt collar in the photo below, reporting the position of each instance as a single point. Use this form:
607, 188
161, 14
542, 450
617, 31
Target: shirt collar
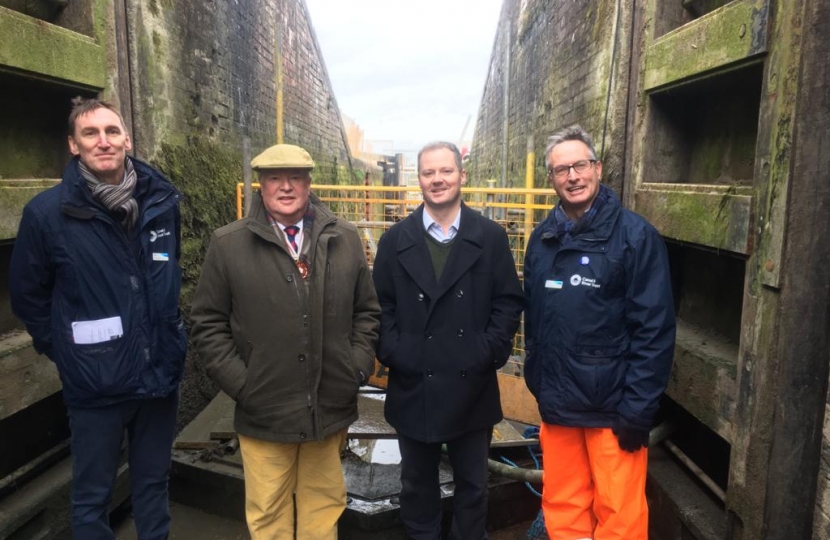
429, 222
275, 223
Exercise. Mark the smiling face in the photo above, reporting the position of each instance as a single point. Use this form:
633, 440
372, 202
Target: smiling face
285, 193
440, 179
102, 143
577, 191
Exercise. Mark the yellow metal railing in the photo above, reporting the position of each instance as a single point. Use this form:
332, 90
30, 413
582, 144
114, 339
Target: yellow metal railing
376, 208
373, 209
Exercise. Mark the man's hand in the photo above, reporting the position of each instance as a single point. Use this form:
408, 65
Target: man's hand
631, 438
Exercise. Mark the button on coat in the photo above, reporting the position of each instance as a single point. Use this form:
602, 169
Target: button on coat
443, 353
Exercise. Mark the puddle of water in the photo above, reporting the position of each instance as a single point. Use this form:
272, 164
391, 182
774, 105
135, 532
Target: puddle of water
378, 451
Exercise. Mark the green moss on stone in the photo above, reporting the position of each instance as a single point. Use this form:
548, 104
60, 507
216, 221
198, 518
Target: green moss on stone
715, 220
158, 43
14, 195
207, 174
50, 50
705, 44
101, 10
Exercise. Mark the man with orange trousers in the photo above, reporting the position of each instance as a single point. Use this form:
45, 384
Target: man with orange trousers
599, 339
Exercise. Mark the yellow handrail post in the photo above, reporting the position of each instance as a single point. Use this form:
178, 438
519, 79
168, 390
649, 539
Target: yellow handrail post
239, 201
529, 184
490, 198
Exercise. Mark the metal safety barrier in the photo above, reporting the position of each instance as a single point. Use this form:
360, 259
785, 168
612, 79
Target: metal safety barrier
373, 209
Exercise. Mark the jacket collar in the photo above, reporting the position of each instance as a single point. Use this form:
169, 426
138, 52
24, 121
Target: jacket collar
414, 256
599, 228
77, 199
257, 220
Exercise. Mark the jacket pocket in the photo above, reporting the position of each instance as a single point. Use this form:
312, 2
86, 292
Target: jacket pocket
593, 378
172, 347
485, 361
532, 375
110, 368
405, 353
246, 353
339, 367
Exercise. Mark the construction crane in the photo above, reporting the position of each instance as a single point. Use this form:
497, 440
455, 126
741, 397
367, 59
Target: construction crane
460, 142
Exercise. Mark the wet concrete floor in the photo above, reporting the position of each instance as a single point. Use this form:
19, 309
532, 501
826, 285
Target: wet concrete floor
193, 524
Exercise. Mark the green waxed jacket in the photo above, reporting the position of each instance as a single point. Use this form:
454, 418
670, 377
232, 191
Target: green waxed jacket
289, 352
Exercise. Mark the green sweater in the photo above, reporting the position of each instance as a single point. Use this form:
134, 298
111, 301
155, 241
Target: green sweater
438, 251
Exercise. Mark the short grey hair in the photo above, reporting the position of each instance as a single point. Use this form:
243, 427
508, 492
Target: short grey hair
82, 106
570, 133
439, 145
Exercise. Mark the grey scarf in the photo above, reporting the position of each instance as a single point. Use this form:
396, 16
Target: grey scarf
117, 198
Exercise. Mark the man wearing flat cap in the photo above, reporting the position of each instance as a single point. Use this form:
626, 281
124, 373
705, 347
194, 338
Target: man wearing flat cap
285, 318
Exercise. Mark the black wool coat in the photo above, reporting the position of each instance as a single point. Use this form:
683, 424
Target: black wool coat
443, 340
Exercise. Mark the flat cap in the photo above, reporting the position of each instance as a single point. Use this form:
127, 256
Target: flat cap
283, 156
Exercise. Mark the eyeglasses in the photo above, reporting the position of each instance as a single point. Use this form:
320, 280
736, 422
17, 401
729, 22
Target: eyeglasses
561, 171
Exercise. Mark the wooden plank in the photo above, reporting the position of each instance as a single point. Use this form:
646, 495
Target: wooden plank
703, 378
122, 61
517, 402
723, 37
716, 219
380, 375
14, 194
798, 456
50, 51
195, 445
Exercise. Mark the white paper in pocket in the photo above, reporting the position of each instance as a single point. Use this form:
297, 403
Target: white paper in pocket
90, 332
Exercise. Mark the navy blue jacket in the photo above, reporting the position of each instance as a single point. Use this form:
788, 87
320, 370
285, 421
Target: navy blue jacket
73, 262
599, 319
444, 339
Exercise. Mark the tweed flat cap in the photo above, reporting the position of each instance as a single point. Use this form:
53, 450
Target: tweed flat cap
283, 156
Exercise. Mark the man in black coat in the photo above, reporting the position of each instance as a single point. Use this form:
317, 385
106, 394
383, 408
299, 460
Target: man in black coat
451, 303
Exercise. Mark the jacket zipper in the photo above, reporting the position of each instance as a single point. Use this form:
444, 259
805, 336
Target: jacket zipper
313, 253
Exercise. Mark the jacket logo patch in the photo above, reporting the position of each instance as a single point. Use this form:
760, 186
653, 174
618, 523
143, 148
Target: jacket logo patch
576, 280
154, 235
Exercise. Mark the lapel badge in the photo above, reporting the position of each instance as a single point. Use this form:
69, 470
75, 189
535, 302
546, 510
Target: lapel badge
302, 266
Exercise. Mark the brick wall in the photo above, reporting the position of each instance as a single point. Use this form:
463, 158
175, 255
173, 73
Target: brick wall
312, 118
209, 69
561, 60
203, 75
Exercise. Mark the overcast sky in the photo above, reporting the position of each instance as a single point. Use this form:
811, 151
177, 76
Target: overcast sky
407, 71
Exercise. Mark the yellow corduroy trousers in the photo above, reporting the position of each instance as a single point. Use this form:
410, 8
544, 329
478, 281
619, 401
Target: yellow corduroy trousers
276, 472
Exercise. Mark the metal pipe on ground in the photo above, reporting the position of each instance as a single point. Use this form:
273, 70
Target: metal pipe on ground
534, 476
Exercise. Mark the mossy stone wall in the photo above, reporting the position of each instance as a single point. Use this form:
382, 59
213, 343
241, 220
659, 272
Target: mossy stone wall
558, 63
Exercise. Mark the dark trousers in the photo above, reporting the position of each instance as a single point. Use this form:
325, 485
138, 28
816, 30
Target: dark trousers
97, 434
420, 498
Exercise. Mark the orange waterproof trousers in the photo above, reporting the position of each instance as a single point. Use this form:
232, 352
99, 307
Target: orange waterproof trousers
592, 489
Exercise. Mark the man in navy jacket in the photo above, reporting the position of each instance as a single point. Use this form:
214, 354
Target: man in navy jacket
95, 277
451, 303
599, 339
